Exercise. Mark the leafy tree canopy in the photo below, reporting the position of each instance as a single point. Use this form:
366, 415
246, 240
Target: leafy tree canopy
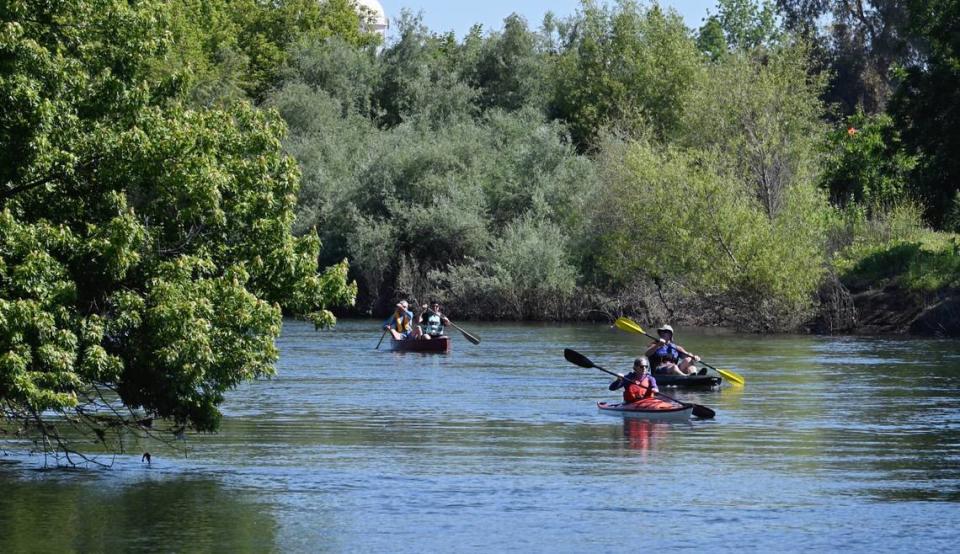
927, 108
145, 247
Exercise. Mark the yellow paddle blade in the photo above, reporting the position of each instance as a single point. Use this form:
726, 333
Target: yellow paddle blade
628, 325
731, 376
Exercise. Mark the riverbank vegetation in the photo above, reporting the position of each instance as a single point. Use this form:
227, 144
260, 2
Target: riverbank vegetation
170, 170
617, 161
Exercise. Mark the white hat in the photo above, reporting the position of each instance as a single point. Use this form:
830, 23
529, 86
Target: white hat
666, 328
402, 304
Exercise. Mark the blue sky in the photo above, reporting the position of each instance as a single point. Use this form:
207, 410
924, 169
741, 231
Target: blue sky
441, 16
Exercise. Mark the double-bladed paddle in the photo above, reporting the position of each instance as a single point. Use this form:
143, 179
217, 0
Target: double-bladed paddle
632, 327
579, 359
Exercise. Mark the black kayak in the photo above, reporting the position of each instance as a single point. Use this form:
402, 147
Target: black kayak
689, 381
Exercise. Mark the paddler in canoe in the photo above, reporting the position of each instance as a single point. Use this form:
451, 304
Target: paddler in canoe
431, 322
669, 358
400, 323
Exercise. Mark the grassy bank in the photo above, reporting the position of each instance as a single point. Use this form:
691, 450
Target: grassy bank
899, 277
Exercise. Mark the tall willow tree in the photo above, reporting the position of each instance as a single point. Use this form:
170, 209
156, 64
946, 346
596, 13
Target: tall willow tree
145, 248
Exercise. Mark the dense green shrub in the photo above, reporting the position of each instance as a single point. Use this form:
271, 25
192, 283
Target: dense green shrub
762, 119
431, 188
677, 218
865, 163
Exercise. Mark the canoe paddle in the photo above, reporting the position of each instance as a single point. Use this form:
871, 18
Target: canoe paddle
579, 359
632, 327
381, 339
466, 335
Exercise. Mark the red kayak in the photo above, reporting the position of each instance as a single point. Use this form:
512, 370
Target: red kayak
649, 408
439, 345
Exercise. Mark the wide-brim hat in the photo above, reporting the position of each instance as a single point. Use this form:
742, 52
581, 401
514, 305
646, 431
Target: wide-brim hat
665, 328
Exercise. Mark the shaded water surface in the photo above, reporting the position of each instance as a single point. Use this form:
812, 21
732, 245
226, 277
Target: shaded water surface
835, 443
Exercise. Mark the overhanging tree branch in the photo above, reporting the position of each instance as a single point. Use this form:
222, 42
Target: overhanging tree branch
40, 181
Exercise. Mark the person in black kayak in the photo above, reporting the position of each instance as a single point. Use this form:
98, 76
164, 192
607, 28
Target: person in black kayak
669, 358
643, 384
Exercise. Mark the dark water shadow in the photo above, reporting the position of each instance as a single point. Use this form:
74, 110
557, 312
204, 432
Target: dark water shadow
81, 511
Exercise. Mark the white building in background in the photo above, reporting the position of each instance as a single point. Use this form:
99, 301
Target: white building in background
380, 22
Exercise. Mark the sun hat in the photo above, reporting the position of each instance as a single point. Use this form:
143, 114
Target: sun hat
666, 328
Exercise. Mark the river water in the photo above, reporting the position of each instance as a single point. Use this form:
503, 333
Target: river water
834, 444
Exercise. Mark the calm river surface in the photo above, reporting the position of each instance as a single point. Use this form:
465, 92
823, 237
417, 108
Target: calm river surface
834, 444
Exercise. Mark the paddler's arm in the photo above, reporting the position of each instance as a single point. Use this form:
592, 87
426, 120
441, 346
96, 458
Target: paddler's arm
619, 383
653, 347
684, 353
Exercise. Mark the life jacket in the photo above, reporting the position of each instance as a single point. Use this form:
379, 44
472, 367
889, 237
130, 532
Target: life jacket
402, 323
666, 353
634, 392
433, 324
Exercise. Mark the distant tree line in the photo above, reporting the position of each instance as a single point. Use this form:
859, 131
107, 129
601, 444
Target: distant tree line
616, 160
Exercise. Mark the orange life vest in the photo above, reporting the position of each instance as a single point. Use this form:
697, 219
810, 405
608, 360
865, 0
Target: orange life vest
634, 392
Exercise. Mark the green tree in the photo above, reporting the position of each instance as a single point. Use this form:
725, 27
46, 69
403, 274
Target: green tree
421, 78
704, 239
711, 40
145, 247
230, 49
510, 71
623, 67
926, 106
867, 164
863, 41
527, 274
746, 24
765, 119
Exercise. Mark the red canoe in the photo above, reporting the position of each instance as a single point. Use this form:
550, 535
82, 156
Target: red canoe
439, 345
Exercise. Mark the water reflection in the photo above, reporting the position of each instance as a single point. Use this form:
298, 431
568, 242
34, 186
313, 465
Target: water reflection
107, 511
643, 434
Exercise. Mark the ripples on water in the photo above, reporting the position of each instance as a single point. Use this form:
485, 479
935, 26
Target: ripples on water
833, 444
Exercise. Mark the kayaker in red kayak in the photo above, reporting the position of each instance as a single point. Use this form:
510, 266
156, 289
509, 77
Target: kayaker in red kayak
638, 384
668, 357
400, 323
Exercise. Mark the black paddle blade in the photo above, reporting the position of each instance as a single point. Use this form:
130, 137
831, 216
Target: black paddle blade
469, 337
577, 358
703, 412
